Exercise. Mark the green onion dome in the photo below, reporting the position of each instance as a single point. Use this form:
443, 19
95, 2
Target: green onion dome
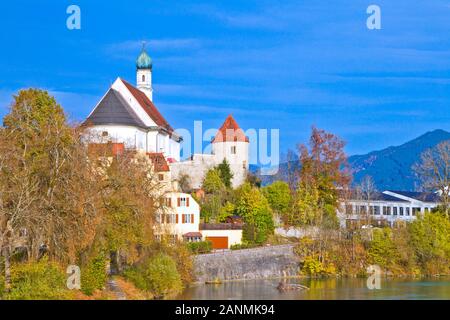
144, 61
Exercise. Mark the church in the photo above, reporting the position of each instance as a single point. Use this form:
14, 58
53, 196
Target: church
126, 114
127, 118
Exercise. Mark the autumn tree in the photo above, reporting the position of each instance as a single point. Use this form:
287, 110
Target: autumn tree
433, 171
46, 186
324, 174
130, 199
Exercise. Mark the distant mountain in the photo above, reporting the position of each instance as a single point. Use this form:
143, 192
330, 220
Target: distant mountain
391, 167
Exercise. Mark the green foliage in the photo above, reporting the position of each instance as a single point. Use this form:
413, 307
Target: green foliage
211, 207
200, 247
94, 275
307, 210
43, 280
279, 196
226, 211
430, 237
256, 212
158, 275
244, 245
225, 173
383, 250
212, 183
313, 267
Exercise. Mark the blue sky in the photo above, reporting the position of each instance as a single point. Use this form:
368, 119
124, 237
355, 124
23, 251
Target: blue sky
286, 65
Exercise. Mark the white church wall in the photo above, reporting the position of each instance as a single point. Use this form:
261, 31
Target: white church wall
151, 141
174, 150
132, 137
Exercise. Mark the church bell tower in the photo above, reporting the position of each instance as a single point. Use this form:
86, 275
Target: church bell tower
144, 73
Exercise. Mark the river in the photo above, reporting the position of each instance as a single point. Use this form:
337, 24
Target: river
323, 289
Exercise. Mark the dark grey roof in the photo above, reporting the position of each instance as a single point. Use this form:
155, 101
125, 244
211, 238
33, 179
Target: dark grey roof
421, 196
376, 196
385, 197
113, 109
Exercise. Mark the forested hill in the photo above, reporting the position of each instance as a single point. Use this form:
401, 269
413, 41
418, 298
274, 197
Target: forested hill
391, 168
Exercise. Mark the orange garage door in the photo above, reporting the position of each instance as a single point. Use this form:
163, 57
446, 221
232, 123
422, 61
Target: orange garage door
218, 242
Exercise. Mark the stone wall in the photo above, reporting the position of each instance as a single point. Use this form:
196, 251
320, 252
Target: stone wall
257, 263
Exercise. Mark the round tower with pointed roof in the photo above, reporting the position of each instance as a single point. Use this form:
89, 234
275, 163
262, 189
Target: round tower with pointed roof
232, 144
144, 73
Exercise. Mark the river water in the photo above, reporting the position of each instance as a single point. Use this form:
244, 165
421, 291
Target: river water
323, 289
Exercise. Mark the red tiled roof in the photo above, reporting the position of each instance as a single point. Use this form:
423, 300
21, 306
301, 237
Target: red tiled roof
230, 131
192, 234
148, 106
159, 162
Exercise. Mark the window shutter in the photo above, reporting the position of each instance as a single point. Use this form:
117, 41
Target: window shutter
192, 218
183, 218
179, 202
187, 202
170, 202
176, 218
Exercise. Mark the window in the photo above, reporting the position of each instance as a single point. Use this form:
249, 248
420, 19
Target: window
395, 211
407, 211
183, 202
143, 78
188, 218
104, 133
415, 211
362, 209
171, 218
193, 239
376, 210
401, 210
233, 150
349, 209
168, 202
160, 177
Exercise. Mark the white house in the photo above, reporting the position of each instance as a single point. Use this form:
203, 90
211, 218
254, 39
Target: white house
181, 217
387, 207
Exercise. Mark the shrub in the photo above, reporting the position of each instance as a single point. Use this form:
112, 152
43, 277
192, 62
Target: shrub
157, 275
93, 275
200, 247
313, 267
383, 250
245, 245
41, 280
2, 286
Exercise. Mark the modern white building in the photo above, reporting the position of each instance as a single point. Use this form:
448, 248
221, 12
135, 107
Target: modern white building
387, 207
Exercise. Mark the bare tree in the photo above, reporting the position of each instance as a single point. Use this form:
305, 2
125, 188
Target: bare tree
365, 191
433, 171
